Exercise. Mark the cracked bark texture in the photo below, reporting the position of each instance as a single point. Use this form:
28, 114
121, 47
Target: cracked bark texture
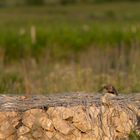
73, 116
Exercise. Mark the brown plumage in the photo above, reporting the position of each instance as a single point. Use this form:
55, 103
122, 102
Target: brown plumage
109, 89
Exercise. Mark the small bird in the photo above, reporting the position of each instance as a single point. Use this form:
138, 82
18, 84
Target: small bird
109, 89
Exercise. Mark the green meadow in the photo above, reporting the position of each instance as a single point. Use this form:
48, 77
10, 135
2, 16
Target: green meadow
70, 48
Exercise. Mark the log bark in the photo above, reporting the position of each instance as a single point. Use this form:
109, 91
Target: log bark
73, 116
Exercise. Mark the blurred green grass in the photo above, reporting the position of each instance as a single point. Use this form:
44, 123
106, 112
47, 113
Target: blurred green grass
70, 48
71, 28
134, 136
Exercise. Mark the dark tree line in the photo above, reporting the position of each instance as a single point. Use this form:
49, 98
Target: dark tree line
62, 2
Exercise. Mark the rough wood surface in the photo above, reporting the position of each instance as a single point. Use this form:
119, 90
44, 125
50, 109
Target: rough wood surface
23, 103
73, 116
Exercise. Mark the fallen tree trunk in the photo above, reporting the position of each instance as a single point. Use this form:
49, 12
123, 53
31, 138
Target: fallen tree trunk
68, 117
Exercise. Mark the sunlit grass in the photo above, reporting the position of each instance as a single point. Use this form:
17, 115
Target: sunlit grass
69, 49
33, 78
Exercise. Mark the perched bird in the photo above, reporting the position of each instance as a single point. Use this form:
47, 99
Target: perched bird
109, 91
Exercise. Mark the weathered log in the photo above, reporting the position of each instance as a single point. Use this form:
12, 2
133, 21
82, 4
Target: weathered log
73, 116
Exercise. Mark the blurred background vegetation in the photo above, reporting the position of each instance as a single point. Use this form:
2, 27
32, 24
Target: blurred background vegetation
61, 2
69, 45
